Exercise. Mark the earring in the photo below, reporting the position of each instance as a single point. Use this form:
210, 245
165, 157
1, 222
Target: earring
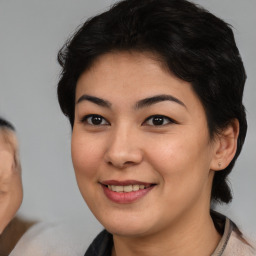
219, 164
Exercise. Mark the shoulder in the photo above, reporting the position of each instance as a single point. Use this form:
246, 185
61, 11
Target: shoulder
52, 239
233, 241
12, 234
242, 246
237, 243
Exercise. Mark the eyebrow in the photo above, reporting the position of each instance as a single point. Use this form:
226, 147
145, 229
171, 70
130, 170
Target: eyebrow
156, 99
95, 100
140, 104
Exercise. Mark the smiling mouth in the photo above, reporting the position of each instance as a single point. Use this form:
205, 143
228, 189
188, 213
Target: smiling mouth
127, 188
123, 192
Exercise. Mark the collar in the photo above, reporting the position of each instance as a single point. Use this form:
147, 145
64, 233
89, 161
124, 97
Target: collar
225, 238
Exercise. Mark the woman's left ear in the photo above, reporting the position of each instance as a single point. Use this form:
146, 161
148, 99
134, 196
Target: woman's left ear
225, 145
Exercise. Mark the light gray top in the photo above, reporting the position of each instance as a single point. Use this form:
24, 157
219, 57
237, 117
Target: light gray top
231, 244
63, 239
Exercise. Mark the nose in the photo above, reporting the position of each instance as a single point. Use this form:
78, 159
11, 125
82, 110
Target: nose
123, 149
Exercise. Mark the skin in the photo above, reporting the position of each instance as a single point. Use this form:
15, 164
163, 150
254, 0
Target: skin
10, 178
178, 156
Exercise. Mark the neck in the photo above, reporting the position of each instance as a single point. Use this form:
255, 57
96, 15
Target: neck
196, 237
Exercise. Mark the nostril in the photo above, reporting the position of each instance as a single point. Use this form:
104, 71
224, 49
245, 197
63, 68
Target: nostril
122, 159
109, 163
129, 163
121, 164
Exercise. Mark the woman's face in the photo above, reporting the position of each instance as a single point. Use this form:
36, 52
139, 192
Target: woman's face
140, 146
10, 178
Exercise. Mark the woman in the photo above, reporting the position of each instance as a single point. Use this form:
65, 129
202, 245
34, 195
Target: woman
10, 175
11, 193
153, 91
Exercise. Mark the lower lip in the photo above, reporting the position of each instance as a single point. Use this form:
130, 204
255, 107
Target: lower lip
125, 197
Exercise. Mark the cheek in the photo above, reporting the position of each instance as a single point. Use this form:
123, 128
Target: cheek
180, 160
185, 179
87, 158
86, 155
169, 153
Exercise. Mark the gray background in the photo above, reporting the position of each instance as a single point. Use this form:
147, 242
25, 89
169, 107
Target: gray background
31, 33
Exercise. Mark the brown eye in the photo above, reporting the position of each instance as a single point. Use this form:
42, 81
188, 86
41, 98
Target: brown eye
158, 120
95, 120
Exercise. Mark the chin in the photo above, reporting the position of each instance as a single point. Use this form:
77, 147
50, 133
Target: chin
128, 228
127, 232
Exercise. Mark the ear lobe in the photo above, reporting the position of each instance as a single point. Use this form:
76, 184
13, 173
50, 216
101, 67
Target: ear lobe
225, 146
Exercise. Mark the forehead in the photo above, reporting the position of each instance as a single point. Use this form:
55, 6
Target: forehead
133, 75
125, 70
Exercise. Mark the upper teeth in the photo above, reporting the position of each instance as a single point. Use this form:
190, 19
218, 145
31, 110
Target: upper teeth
128, 188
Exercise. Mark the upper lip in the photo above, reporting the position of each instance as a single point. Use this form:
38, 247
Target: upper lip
125, 182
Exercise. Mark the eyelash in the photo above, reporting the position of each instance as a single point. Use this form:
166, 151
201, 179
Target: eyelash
86, 118
165, 120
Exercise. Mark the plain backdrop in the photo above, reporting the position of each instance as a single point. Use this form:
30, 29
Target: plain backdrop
31, 33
